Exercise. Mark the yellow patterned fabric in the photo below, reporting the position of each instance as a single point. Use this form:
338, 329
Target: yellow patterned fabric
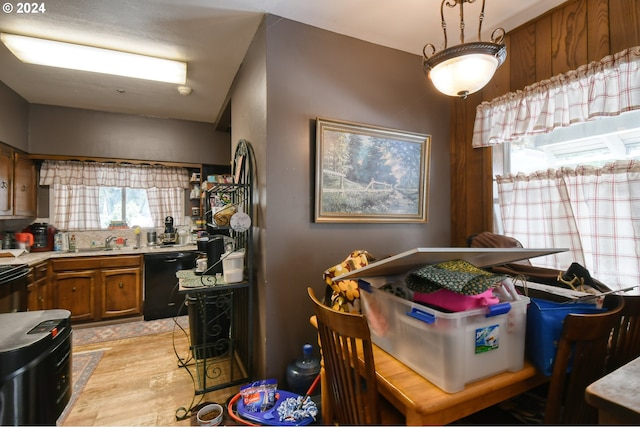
345, 294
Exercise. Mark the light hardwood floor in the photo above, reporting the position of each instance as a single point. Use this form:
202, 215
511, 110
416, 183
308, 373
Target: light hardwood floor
138, 382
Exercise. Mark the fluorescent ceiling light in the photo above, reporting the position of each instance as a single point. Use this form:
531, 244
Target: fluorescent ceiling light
87, 58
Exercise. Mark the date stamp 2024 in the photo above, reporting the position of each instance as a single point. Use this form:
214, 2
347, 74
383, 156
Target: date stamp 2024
24, 8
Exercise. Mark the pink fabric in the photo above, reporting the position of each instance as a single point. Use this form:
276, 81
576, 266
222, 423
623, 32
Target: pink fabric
449, 300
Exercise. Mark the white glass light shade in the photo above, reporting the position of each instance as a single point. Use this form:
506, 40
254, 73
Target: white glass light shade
464, 69
464, 75
87, 58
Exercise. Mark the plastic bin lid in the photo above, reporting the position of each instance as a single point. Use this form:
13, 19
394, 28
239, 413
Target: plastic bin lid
480, 257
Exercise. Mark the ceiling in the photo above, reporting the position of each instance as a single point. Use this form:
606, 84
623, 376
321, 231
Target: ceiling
212, 36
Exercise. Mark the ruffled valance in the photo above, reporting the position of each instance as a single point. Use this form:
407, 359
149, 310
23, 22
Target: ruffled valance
602, 88
112, 175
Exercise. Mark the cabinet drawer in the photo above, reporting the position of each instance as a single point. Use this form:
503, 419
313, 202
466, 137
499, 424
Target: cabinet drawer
40, 271
96, 262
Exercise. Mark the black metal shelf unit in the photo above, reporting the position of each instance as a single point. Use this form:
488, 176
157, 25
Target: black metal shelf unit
222, 321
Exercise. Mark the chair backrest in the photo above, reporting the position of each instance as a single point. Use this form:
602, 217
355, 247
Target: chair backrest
583, 347
625, 342
352, 384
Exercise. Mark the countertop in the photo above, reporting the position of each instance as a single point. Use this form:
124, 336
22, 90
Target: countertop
191, 282
36, 257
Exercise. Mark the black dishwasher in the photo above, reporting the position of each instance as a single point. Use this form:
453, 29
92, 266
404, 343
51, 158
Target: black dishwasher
161, 297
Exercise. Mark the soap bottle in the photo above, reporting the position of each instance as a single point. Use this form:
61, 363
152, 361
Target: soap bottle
302, 371
72, 243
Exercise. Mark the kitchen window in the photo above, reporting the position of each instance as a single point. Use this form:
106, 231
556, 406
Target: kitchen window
90, 195
128, 205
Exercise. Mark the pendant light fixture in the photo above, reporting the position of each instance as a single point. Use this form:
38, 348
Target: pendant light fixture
465, 68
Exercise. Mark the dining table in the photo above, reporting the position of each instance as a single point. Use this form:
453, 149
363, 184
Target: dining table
423, 403
616, 395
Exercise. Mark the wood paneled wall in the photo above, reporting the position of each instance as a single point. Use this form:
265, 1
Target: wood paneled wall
575, 33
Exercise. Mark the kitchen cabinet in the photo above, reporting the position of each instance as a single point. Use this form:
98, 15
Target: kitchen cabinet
18, 184
6, 182
121, 292
75, 291
38, 288
25, 186
98, 288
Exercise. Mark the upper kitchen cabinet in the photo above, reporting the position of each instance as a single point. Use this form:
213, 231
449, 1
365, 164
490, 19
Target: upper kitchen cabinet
25, 185
6, 182
18, 184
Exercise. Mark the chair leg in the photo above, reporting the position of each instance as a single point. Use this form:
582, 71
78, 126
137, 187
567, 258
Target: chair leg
325, 401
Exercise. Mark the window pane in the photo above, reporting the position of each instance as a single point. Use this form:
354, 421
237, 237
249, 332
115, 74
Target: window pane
137, 208
130, 205
110, 205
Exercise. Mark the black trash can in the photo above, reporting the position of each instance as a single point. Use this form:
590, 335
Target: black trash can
210, 312
35, 366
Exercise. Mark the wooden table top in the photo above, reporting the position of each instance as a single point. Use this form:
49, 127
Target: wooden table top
617, 393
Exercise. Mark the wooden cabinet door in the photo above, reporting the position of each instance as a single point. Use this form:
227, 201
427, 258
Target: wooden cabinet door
25, 186
121, 292
75, 291
6, 182
38, 289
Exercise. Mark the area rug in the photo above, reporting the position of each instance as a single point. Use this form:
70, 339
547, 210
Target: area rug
82, 366
128, 330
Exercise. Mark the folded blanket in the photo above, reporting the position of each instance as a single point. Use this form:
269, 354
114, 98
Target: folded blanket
457, 276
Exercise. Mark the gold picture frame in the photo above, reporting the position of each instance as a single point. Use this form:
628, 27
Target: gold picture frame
370, 174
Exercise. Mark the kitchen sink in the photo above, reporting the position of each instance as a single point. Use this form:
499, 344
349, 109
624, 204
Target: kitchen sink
93, 249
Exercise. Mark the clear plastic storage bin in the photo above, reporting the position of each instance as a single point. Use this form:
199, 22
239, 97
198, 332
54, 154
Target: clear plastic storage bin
448, 349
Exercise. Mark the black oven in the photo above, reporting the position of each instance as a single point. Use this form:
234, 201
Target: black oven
13, 288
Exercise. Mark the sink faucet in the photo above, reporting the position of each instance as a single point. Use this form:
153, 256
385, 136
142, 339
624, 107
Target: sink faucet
108, 240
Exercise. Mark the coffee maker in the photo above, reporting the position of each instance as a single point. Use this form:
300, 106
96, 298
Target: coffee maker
215, 249
43, 234
169, 236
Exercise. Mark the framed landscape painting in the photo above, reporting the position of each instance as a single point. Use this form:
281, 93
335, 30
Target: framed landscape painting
370, 174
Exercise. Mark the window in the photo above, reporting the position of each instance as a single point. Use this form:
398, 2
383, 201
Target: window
594, 143
92, 195
128, 205
571, 178
576, 188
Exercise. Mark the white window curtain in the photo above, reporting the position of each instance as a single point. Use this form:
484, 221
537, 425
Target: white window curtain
75, 207
165, 202
595, 212
602, 88
76, 187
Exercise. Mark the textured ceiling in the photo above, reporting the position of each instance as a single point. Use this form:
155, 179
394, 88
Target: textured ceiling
212, 36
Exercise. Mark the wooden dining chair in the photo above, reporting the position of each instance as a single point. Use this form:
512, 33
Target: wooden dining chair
583, 347
352, 385
625, 341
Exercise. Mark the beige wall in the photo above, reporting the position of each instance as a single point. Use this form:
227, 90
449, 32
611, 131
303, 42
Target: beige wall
293, 74
14, 112
72, 131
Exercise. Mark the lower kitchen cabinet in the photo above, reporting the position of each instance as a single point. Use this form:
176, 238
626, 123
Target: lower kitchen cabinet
38, 288
121, 292
98, 288
75, 291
